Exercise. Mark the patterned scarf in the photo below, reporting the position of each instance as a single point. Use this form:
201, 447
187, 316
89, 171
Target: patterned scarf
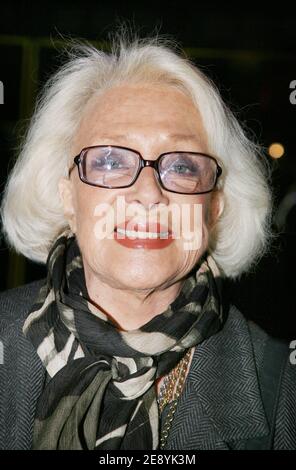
101, 391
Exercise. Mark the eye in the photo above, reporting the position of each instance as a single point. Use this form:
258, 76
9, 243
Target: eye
184, 167
107, 163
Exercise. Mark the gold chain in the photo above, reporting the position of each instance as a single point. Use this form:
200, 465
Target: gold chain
170, 392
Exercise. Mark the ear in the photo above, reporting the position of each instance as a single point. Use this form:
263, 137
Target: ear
67, 197
216, 208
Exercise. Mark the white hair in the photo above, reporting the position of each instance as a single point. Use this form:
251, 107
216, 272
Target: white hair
32, 212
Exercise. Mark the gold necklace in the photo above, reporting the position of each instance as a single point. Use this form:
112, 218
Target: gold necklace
170, 392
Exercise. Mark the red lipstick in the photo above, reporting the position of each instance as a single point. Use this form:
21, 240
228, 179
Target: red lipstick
138, 235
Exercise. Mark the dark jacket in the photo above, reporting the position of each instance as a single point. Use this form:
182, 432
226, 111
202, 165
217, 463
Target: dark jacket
240, 391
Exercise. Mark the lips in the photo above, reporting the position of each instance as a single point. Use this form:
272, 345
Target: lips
151, 235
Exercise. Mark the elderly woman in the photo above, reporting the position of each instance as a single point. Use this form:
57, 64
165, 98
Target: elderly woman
141, 192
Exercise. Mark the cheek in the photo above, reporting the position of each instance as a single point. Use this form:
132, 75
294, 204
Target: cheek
89, 205
85, 212
195, 225
198, 213
206, 216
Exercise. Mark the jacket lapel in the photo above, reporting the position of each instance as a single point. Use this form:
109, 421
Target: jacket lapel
221, 404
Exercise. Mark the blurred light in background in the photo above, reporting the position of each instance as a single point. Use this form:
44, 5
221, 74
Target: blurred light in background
276, 150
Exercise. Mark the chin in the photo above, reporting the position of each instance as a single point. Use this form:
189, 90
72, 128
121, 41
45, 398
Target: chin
143, 279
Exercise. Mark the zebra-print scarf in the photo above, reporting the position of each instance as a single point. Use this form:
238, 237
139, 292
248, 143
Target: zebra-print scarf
101, 391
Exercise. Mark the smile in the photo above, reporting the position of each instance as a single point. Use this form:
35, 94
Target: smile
139, 235
142, 235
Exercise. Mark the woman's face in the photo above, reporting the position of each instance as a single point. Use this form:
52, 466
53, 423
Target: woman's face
151, 119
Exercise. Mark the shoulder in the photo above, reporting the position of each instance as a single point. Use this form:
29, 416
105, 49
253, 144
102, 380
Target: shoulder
15, 302
276, 373
248, 331
15, 305
269, 352
21, 371
239, 333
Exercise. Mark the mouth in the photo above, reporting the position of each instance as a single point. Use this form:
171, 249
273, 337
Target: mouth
137, 230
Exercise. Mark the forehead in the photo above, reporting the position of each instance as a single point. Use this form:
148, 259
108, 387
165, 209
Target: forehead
144, 110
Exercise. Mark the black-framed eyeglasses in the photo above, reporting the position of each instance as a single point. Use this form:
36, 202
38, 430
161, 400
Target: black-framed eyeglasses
112, 166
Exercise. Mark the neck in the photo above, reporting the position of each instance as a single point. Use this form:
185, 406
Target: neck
130, 309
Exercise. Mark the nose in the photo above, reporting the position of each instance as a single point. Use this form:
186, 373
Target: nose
147, 190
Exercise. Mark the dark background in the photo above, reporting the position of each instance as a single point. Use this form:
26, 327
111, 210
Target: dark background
248, 51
